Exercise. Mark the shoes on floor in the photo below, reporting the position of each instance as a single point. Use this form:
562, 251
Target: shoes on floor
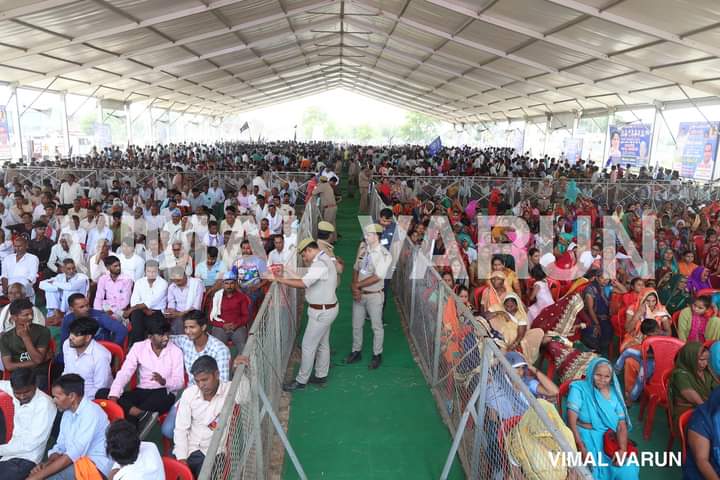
292, 386
317, 380
375, 362
353, 357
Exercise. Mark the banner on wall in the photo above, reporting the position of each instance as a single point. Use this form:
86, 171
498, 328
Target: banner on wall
630, 145
696, 149
5, 150
573, 149
103, 135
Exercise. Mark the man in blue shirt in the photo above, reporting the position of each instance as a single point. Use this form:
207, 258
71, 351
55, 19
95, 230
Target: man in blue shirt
82, 432
110, 329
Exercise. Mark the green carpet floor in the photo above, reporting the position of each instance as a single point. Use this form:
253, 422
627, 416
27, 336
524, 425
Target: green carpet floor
364, 424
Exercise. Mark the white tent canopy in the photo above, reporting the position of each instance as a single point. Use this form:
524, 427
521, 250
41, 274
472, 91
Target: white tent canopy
461, 61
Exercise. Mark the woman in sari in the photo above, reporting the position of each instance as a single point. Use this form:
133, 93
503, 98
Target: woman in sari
454, 328
703, 440
697, 323
493, 296
509, 320
529, 445
699, 280
691, 381
595, 405
712, 258
647, 306
599, 331
674, 294
668, 265
512, 284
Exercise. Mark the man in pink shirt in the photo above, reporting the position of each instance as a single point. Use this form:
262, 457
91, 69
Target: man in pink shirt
162, 374
113, 290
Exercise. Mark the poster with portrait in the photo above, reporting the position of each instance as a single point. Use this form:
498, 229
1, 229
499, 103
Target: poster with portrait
630, 145
573, 149
696, 149
5, 150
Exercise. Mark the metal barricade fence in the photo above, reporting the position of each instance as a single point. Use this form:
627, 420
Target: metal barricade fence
479, 395
241, 446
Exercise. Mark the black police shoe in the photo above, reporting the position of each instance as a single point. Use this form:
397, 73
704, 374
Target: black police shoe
353, 357
292, 386
375, 362
318, 380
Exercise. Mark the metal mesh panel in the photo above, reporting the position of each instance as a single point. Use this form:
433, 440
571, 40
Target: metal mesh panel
241, 448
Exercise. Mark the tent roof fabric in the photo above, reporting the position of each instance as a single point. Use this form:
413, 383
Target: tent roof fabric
463, 61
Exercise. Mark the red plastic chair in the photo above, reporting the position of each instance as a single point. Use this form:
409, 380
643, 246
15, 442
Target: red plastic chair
563, 392
655, 392
682, 427
111, 408
7, 407
118, 356
175, 470
674, 319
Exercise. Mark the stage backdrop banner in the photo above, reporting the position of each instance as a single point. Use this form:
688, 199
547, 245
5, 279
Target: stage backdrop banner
696, 149
573, 149
630, 144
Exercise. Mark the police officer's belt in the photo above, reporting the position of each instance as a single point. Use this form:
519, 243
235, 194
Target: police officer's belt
315, 306
365, 292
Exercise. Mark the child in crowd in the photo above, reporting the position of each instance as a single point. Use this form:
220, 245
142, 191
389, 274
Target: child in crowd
631, 349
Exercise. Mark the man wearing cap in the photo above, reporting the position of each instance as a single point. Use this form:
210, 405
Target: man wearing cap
319, 283
371, 266
230, 313
325, 231
328, 207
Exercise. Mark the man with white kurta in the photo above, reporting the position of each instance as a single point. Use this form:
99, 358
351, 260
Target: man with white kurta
319, 283
59, 288
371, 266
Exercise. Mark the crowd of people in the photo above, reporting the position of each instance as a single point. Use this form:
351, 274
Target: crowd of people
173, 276
597, 332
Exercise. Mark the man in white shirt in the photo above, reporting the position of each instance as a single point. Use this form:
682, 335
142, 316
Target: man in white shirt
275, 219
59, 288
215, 194
134, 460
66, 248
259, 182
198, 413
100, 232
86, 357
33, 417
149, 299
69, 191
154, 219
131, 264
174, 227
184, 294
22, 267
279, 255
95, 193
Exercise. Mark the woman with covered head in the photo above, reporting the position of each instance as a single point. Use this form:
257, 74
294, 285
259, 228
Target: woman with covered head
596, 412
699, 280
674, 293
691, 381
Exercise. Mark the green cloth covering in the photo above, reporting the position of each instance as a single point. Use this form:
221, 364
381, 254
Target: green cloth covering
673, 298
685, 377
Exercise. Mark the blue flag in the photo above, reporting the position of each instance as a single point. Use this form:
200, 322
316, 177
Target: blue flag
435, 147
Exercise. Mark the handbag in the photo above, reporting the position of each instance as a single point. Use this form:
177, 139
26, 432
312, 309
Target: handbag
611, 444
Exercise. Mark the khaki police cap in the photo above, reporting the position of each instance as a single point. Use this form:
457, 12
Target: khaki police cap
323, 178
304, 243
374, 228
326, 226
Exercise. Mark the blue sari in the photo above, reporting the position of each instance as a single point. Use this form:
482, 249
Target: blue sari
592, 408
705, 421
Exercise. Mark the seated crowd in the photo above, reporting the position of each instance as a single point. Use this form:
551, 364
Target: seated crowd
130, 305
659, 328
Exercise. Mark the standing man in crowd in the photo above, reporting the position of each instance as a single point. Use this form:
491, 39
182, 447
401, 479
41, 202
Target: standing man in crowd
328, 207
371, 266
364, 178
33, 419
319, 283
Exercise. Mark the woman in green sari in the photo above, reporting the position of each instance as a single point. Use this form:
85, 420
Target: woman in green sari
674, 295
691, 381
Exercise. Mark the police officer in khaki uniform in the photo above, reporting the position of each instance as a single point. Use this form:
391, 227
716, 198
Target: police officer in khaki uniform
371, 266
319, 283
328, 207
325, 231
364, 178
